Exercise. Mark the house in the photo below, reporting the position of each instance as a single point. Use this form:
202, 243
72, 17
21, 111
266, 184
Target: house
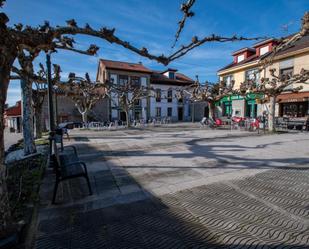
165, 84
122, 73
165, 103
66, 111
245, 66
13, 117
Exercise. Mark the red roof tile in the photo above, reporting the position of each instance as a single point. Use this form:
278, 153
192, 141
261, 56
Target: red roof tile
180, 79
125, 66
14, 110
302, 43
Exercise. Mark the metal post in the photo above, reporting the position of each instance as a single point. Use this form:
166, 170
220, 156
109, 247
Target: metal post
50, 103
50, 94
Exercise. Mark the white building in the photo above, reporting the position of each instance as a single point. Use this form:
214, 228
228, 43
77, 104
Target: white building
162, 104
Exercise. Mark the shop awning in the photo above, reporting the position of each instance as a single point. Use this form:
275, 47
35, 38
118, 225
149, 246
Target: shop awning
293, 97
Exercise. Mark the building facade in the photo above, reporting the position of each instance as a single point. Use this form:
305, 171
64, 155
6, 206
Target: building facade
246, 66
161, 102
13, 117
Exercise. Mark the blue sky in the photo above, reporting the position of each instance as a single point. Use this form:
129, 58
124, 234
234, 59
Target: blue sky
153, 23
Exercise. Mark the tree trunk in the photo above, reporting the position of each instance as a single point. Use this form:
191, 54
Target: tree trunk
38, 122
85, 116
211, 106
127, 118
27, 114
5, 213
271, 114
127, 112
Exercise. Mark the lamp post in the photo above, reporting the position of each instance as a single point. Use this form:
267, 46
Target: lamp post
50, 103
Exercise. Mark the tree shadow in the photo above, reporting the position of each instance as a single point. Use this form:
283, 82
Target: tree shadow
123, 214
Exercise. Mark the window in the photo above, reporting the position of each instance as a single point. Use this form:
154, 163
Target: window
298, 109
252, 75
135, 81
158, 95
240, 58
123, 79
286, 72
158, 111
137, 102
264, 50
113, 78
170, 95
169, 111
228, 80
171, 75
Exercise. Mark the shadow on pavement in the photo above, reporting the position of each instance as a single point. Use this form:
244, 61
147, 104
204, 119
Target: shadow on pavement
122, 214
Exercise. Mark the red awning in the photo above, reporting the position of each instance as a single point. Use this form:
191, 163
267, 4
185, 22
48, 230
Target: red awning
293, 97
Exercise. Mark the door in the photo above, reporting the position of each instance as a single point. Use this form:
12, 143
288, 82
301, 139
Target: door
180, 113
206, 112
123, 116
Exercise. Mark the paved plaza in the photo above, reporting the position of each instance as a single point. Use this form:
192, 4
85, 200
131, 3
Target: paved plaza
181, 187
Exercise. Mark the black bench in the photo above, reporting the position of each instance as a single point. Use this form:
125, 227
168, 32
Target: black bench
67, 166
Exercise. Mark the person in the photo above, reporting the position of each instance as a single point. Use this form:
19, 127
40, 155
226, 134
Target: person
65, 131
203, 121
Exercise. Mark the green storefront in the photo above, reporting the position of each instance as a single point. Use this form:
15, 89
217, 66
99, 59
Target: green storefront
249, 104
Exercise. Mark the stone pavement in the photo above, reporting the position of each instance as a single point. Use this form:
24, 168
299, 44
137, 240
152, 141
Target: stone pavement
11, 138
182, 188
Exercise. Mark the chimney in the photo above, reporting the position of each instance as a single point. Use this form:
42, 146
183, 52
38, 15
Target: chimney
305, 24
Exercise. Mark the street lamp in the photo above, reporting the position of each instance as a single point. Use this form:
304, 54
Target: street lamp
50, 103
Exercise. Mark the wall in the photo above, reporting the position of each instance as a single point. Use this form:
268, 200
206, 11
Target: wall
113, 105
164, 104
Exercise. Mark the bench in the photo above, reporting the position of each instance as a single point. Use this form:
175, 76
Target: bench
68, 166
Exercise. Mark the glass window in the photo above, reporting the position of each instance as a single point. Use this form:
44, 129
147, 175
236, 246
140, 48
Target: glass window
287, 71
228, 80
113, 78
169, 111
158, 111
137, 102
252, 75
240, 58
158, 95
123, 79
135, 81
264, 50
170, 95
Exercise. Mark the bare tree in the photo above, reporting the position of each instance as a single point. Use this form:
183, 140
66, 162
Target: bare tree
208, 92
129, 95
83, 92
25, 43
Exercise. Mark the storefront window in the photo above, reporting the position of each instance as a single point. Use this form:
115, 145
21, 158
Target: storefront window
251, 109
298, 109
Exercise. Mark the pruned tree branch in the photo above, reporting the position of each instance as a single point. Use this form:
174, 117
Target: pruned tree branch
187, 13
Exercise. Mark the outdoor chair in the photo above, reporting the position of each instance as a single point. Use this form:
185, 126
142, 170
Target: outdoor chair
66, 168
